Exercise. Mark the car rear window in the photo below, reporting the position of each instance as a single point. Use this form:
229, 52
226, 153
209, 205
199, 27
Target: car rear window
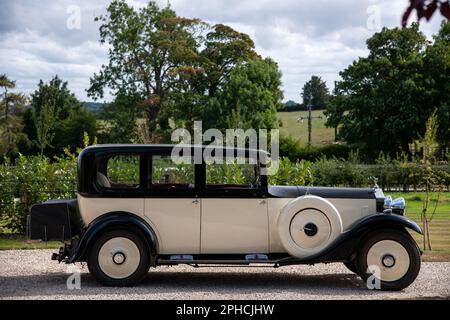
119, 172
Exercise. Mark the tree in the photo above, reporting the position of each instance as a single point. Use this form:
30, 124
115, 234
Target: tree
57, 93
251, 98
224, 49
12, 106
385, 105
121, 116
44, 121
54, 109
150, 49
431, 182
335, 113
437, 82
315, 92
178, 66
70, 132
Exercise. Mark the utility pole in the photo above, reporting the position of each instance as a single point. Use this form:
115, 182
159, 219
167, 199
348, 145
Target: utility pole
309, 122
310, 118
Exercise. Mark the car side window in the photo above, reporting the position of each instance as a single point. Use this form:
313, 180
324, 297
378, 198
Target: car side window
237, 175
165, 174
119, 172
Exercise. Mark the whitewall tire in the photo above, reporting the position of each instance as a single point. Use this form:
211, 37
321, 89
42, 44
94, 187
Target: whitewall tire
119, 257
390, 257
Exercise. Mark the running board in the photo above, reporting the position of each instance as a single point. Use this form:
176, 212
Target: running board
241, 262
256, 258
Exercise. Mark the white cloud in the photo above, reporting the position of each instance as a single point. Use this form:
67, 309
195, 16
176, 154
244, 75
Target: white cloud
305, 37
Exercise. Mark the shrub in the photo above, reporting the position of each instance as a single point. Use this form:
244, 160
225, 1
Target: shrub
292, 149
31, 180
289, 173
338, 172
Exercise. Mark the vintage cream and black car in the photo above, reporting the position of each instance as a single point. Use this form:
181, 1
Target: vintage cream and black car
137, 209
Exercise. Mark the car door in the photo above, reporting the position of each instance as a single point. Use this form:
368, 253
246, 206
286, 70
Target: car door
234, 211
172, 206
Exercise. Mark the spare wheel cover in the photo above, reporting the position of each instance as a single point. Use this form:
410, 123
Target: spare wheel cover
307, 225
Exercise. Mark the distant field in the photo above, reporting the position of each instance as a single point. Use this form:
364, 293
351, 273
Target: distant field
290, 127
299, 131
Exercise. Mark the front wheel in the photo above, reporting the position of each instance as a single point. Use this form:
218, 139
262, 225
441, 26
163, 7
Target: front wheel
119, 258
390, 259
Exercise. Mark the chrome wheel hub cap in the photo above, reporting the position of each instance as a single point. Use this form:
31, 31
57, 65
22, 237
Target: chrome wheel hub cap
388, 261
390, 258
119, 258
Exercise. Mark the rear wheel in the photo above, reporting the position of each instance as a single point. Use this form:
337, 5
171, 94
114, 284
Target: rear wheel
390, 259
119, 258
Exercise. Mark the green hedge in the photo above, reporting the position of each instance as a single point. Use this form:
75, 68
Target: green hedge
292, 149
32, 180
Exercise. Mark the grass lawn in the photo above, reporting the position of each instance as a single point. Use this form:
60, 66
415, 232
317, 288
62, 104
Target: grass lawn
20, 243
439, 226
290, 127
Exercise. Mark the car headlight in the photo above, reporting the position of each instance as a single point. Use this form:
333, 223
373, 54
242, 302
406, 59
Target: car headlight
396, 206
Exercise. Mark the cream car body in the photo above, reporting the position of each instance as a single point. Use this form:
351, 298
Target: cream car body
137, 209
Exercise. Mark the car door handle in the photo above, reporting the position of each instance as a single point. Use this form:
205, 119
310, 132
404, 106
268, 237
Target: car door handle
263, 202
195, 201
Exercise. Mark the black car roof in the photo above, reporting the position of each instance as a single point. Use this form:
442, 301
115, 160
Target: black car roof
100, 148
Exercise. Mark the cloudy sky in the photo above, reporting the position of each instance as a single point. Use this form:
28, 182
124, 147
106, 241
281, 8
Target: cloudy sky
39, 39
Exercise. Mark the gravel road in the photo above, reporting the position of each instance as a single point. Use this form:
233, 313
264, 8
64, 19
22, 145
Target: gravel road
30, 274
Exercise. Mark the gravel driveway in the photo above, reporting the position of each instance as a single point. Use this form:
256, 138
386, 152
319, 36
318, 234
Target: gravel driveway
30, 274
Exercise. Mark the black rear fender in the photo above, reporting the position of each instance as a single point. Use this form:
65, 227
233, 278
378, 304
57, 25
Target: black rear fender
110, 221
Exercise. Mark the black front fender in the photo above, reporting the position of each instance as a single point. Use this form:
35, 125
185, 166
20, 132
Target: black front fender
113, 219
384, 221
345, 245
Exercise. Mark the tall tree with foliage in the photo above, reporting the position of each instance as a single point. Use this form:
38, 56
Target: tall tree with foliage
149, 50
315, 92
44, 121
220, 52
335, 113
56, 118
225, 48
121, 115
385, 108
437, 82
178, 66
12, 107
70, 132
252, 96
